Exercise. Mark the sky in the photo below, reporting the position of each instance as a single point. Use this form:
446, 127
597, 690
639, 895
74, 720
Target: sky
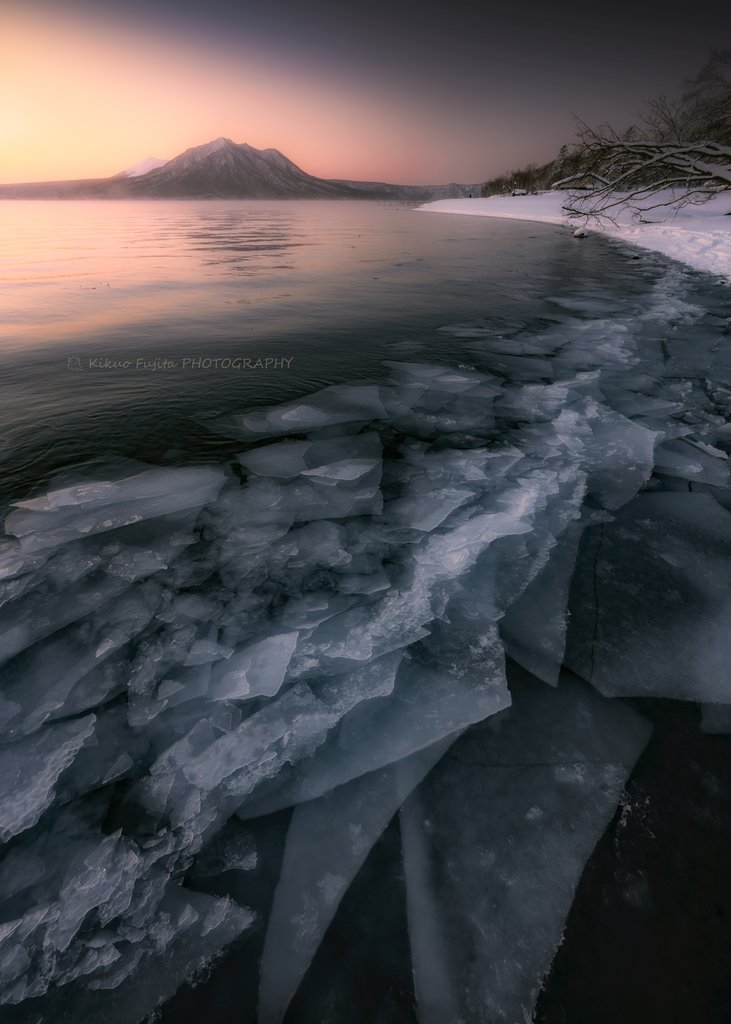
414, 93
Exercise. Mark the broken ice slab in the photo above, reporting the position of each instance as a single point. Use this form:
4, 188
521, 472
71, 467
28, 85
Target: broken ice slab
427, 705
256, 670
650, 601
363, 583
345, 470
298, 585
355, 404
617, 454
443, 414
201, 779
147, 486
344, 489
85, 509
357, 492
124, 982
633, 403
425, 515
112, 753
482, 337
30, 769
442, 477
495, 841
334, 405
282, 461
593, 307
523, 367
315, 875
430, 574
97, 911
532, 403
434, 572
442, 378
14, 561
692, 461
509, 565
144, 551
38, 614
311, 609
55, 568
203, 652
288, 459
314, 710
43, 681
534, 627
259, 506
428, 485
605, 344
100, 878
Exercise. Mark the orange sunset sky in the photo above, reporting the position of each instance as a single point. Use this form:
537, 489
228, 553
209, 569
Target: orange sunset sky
81, 99
393, 92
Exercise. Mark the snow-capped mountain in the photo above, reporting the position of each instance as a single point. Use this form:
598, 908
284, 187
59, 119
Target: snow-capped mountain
151, 163
228, 170
223, 168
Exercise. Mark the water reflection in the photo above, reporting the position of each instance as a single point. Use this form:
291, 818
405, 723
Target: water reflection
335, 287
240, 241
82, 269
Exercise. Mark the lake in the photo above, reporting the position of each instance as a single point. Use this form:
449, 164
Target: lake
363, 619
334, 288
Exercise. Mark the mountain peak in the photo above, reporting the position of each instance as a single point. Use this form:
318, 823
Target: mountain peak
151, 163
224, 169
213, 147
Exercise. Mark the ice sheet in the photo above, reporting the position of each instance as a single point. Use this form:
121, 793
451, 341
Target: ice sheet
495, 841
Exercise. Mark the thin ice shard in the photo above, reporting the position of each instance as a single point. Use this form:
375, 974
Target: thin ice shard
315, 875
650, 601
495, 841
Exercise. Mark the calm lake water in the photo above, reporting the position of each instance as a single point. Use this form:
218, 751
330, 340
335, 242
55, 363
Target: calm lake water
97, 296
130, 333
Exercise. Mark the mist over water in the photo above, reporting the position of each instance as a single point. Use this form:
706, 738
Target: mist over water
353, 555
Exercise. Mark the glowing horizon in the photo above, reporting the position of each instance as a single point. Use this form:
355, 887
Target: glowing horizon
52, 113
89, 88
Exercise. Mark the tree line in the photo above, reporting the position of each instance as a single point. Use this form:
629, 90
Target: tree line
679, 152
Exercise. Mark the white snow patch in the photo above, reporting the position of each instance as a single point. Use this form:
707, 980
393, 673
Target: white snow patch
150, 163
699, 236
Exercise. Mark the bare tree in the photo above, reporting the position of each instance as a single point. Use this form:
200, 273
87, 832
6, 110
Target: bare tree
707, 99
680, 153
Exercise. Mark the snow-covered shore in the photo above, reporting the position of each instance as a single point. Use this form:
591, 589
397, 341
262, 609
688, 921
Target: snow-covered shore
699, 236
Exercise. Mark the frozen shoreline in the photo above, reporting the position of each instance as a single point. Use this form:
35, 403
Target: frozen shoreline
699, 236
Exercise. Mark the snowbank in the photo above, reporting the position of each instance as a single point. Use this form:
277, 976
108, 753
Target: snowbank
699, 236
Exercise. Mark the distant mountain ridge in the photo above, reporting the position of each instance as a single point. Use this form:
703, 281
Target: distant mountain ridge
223, 169
151, 163
226, 169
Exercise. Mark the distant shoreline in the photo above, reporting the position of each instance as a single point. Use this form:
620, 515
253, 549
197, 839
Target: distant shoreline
698, 236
